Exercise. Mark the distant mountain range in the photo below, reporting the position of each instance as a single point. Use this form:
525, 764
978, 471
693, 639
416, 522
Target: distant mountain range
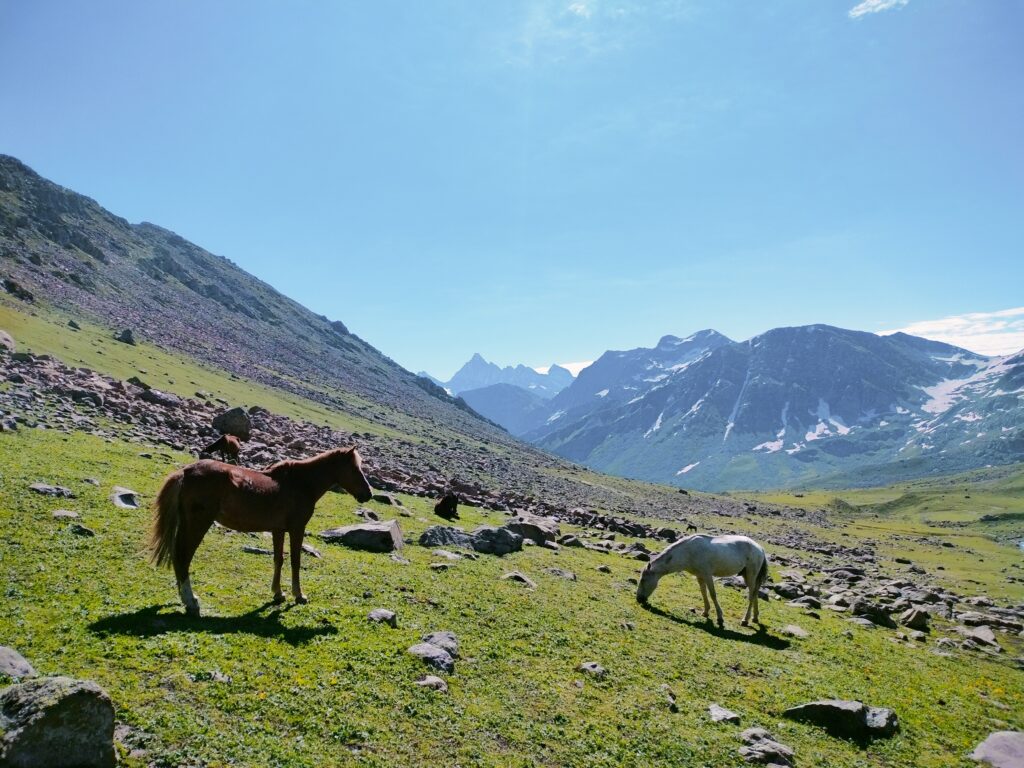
813, 405
478, 373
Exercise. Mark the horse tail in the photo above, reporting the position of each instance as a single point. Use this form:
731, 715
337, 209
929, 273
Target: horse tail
166, 521
762, 574
215, 445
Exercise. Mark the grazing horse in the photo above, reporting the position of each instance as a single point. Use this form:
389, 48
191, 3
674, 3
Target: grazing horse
228, 446
706, 557
278, 499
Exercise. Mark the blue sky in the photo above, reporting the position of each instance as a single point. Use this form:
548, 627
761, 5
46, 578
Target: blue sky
541, 181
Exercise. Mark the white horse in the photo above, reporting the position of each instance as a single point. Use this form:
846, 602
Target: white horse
706, 557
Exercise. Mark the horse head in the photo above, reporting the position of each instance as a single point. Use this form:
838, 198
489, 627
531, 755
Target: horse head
648, 581
350, 474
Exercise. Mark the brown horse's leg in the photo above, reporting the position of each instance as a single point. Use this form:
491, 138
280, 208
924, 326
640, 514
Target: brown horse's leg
195, 524
295, 546
278, 562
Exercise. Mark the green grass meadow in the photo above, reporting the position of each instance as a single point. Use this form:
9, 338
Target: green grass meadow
318, 684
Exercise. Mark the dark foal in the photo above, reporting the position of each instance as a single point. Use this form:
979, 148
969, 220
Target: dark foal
228, 446
279, 499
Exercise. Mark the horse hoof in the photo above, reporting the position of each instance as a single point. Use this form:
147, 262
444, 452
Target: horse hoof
192, 610
744, 623
301, 599
279, 598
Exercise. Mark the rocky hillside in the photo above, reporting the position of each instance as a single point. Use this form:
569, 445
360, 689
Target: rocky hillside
793, 406
59, 248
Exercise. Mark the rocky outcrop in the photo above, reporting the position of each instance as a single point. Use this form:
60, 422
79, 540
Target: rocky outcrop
53, 720
369, 537
847, 719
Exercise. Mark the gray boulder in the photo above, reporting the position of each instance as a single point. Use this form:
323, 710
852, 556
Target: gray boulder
438, 658
915, 618
1002, 749
383, 616
6, 341
874, 613
51, 720
125, 498
126, 337
446, 536
496, 541
234, 422
537, 529
13, 664
847, 719
445, 640
369, 537
161, 398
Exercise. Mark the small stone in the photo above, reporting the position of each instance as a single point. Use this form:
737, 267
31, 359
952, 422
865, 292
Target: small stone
720, 714
593, 669
792, 630
310, 550
383, 616
13, 664
253, 550
433, 682
761, 747
562, 574
522, 578
440, 567
57, 491
436, 657
64, 514
80, 530
603, 569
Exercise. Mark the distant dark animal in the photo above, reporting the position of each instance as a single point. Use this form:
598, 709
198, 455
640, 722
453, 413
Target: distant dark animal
228, 446
691, 527
707, 557
279, 499
448, 507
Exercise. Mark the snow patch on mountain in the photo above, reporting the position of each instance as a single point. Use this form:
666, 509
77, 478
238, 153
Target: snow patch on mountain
656, 426
687, 468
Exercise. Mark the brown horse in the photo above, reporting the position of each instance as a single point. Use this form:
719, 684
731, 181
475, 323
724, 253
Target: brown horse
280, 498
228, 446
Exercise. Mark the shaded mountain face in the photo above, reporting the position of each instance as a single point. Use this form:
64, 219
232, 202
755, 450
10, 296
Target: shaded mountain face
516, 409
807, 405
478, 373
62, 248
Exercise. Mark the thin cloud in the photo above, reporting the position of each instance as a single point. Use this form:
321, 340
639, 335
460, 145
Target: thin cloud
875, 6
990, 333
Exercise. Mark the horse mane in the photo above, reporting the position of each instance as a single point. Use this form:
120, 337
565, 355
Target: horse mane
286, 465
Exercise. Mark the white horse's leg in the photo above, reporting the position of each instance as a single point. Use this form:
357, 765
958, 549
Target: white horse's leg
751, 579
755, 598
714, 598
704, 594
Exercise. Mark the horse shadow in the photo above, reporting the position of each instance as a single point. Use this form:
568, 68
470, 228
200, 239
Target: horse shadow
157, 620
760, 637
